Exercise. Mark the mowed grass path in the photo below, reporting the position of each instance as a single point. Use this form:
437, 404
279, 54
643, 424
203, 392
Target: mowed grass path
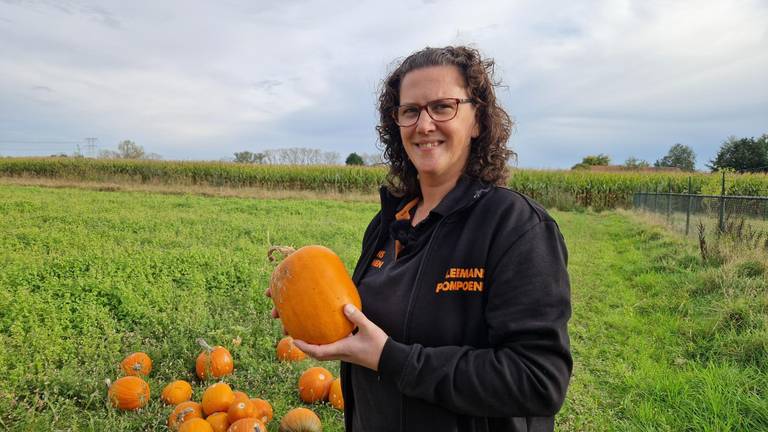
87, 277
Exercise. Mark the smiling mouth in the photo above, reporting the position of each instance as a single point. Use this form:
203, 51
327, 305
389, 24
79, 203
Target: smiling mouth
430, 144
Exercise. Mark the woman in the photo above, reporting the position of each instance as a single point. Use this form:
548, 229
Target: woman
463, 282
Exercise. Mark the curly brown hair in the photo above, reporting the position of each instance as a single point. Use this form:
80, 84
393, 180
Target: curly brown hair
488, 152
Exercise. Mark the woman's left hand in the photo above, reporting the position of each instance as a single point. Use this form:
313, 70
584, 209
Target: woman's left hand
362, 348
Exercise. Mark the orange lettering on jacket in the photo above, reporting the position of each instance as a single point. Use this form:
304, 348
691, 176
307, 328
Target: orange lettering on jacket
379, 260
465, 273
462, 279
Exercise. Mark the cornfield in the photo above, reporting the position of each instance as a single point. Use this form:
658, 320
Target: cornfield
561, 189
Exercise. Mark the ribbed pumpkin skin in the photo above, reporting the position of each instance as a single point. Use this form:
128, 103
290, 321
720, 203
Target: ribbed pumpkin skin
247, 425
215, 363
265, 410
176, 392
287, 351
217, 397
219, 421
183, 412
129, 393
300, 420
309, 289
137, 363
314, 384
196, 425
334, 395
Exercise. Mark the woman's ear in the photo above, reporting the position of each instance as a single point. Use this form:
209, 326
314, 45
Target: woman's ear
476, 130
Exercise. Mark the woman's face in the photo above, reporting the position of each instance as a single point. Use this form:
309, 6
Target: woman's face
438, 150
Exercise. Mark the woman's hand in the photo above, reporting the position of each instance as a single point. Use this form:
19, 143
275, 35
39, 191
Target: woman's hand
362, 348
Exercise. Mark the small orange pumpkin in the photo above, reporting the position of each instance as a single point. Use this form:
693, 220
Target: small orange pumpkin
247, 425
196, 425
128, 393
300, 420
287, 351
213, 362
219, 421
240, 396
137, 363
242, 409
334, 395
265, 410
184, 412
176, 392
217, 397
314, 384
313, 282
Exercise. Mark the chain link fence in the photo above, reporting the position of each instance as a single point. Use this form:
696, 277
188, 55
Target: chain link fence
742, 217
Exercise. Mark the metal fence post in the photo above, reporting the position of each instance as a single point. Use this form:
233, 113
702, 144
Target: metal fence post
688, 210
669, 200
721, 224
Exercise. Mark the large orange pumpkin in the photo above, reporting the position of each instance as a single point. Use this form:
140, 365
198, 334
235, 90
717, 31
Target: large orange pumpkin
265, 410
287, 351
137, 363
176, 392
334, 395
309, 289
196, 425
217, 397
314, 384
184, 412
213, 361
128, 393
247, 425
300, 420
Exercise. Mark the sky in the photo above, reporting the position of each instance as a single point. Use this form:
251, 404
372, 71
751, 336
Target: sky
196, 79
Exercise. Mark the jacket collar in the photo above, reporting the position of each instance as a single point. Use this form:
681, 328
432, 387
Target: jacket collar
467, 190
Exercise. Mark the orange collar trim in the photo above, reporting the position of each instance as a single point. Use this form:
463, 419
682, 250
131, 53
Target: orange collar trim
405, 213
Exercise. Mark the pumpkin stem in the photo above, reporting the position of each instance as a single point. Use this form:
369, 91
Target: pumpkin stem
183, 414
204, 344
108, 382
284, 250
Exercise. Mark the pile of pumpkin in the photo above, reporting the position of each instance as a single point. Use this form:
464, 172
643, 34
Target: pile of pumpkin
297, 293
222, 409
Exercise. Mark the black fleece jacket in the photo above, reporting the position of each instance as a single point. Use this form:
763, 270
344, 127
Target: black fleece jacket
485, 344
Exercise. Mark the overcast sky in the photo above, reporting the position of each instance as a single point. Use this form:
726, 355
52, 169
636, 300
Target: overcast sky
203, 79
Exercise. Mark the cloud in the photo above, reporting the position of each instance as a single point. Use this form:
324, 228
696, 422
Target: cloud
198, 79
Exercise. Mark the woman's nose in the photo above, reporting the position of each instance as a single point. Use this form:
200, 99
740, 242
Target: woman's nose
425, 123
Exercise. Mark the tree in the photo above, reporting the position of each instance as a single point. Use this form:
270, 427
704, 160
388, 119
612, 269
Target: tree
248, 157
330, 158
354, 159
372, 159
635, 163
108, 154
588, 161
742, 155
679, 156
130, 150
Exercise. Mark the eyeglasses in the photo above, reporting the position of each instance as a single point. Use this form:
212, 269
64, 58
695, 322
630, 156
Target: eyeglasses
440, 110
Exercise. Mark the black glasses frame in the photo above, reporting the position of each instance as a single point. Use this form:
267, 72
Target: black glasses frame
421, 108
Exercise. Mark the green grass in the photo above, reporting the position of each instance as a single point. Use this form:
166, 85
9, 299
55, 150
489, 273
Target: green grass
88, 277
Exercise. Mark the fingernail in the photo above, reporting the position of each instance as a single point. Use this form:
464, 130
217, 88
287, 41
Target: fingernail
349, 309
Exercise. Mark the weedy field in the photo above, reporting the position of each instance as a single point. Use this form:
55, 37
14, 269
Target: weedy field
662, 340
